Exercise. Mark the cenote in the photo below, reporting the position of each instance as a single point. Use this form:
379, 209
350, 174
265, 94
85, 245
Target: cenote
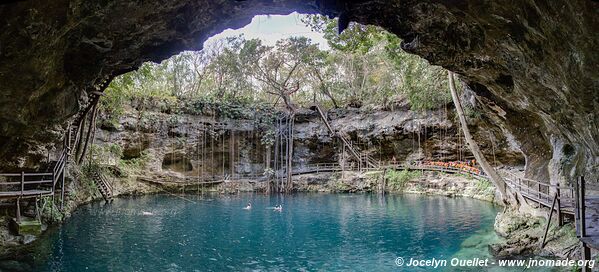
386, 129
360, 232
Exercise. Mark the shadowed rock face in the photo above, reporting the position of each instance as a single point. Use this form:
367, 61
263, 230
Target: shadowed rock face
532, 65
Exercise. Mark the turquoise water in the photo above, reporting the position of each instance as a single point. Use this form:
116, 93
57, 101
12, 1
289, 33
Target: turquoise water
359, 232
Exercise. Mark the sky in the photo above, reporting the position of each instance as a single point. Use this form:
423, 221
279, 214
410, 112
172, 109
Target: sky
270, 28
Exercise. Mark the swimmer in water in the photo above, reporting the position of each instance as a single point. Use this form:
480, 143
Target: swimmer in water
248, 207
278, 208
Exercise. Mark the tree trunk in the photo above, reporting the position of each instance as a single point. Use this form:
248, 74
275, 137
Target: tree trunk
324, 90
494, 176
267, 167
93, 137
80, 134
89, 133
232, 152
290, 155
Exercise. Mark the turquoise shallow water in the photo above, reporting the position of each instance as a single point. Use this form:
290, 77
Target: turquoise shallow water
359, 232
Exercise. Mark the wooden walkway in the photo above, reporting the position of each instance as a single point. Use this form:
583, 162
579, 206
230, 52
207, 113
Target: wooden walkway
592, 222
25, 185
25, 194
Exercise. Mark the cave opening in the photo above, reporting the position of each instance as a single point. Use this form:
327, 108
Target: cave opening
282, 64
298, 62
359, 103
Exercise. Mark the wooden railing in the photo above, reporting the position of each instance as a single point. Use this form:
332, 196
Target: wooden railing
332, 132
543, 193
446, 169
9, 188
536, 191
103, 185
31, 184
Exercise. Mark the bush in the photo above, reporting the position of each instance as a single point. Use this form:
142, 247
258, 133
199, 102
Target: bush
485, 186
50, 211
134, 165
398, 179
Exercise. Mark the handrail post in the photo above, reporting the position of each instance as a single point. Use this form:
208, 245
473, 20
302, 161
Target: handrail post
22, 182
539, 192
18, 210
576, 208
548, 222
519, 184
62, 190
560, 221
586, 250
582, 208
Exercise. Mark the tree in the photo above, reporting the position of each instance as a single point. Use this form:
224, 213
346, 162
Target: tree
376, 67
365, 65
498, 181
280, 69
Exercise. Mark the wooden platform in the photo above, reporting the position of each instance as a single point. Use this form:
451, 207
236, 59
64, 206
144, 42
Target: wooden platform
592, 222
158, 182
26, 193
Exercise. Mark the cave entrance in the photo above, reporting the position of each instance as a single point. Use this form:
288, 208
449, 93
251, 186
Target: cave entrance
289, 92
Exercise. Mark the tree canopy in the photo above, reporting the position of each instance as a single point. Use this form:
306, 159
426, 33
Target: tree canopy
365, 65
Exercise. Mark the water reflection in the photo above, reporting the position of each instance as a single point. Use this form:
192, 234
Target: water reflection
313, 232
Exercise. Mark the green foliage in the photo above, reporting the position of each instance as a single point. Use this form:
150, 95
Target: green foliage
135, 165
50, 211
208, 106
341, 186
108, 153
355, 39
86, 184
471, 111
268, 138
425, 86
485, 186
397, 180
146, 86
112, 105
233, 109
365, 66
269, 172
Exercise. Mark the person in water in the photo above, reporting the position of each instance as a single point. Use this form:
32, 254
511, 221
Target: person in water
249, 206
279, 207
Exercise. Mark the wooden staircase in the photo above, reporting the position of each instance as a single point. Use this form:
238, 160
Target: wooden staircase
363, 159
370, 162
102, 184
